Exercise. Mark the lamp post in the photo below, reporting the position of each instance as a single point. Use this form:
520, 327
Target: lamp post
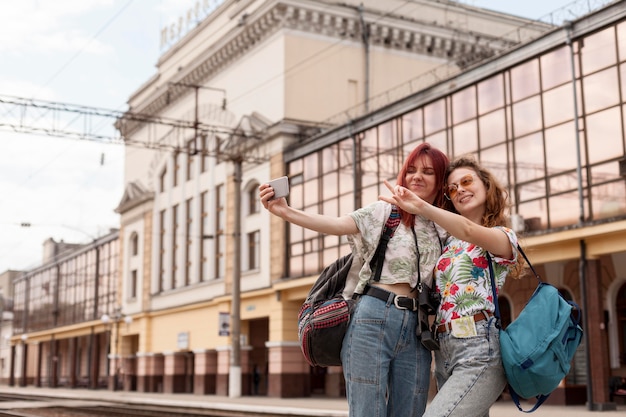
115, 319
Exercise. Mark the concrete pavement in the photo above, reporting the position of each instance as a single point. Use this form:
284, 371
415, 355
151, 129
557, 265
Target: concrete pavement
310, 406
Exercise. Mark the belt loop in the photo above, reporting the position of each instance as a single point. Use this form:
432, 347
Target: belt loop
391, 299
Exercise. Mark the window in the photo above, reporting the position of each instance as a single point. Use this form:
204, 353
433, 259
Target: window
162, 179
188, 240
134, 244
191, 153
220, 231
175, 224
253, 250
133, 284
161, 271
204, 161
254, 203
175, 169
204, 227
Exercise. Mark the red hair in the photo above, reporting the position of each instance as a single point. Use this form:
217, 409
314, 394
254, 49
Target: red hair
439, 162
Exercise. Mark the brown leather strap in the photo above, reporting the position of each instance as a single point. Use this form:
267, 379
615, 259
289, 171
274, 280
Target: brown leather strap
447, 327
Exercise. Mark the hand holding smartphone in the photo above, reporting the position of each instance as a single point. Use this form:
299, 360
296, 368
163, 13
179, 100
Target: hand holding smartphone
280, 186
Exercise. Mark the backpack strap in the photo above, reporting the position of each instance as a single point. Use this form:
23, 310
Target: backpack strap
379, 256
494, 291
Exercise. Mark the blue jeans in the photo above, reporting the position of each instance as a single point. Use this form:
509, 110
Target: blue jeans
469, 373
387, 370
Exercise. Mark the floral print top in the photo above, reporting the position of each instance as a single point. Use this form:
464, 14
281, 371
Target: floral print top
400, 264
462, 278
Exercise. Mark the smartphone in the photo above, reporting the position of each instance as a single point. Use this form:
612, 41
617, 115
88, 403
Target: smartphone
280, 186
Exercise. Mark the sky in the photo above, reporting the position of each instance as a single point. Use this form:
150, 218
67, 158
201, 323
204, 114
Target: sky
93, 53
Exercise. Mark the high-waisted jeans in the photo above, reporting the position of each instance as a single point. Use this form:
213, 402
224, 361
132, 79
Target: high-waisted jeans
469, 373
387, 370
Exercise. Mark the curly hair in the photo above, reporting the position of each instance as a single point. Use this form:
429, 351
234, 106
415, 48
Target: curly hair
497, 196
496, 205
439, 162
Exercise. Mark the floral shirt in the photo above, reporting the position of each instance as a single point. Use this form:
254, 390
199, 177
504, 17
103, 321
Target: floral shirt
462, 278
400, 264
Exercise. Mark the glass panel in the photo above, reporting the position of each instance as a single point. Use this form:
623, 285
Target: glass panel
492, 128
369, 171
370, 195
494, 159
561, 154
465, 138
531, 191
387, 166
329, 185
608, 200
490, 94
387, 137
346, 204
330, 207
295, 266
621, 41
412, 126
330, 241
622, 74
346, 181
435, 116
526, 116
561, 209
329, 158
558, 105
556, 68
310, 166
525, 80
296, 195
534, 214
439, 141
598, 51
563, 183
601, 90
604, 136
604, 173
310, 193
369, 144
464, 105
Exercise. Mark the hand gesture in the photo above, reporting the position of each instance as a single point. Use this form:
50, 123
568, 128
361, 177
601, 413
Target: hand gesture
404, 198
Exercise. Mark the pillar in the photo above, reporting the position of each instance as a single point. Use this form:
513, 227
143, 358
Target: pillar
288, 373
174, 372
205, 372
150, 372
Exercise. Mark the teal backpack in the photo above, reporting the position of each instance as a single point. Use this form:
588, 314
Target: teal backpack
538, 346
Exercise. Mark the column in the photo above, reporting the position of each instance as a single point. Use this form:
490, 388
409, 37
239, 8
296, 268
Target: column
289, 373
150, 372
174, 372
205, 371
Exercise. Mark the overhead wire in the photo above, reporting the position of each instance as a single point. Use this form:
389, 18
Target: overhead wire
54, 76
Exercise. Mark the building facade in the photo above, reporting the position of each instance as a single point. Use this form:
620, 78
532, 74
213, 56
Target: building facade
59, 338
251, 80
259, 89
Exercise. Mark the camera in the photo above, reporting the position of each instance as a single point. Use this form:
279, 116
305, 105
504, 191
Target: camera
424, 332
428, 300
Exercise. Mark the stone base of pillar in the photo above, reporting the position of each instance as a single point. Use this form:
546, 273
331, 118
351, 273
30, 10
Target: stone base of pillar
289, 375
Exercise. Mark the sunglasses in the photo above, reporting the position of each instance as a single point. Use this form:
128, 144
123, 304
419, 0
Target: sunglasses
453, 188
